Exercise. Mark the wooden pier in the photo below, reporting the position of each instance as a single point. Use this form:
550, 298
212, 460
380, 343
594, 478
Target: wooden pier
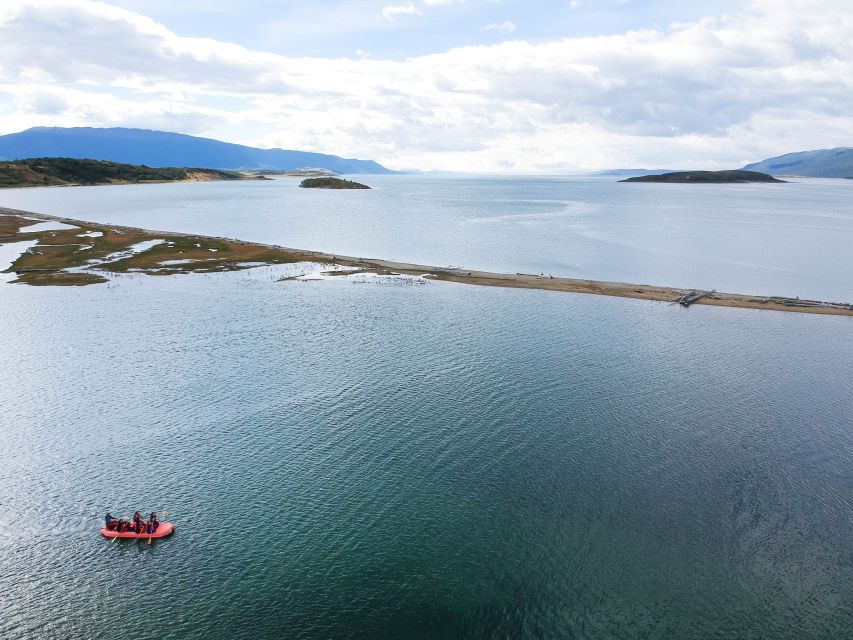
689, 298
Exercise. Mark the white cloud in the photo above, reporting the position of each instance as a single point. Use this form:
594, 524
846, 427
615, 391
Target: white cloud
500, 27
717, 92
392, 11
412, 9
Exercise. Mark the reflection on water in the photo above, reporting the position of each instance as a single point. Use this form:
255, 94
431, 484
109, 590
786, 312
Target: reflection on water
9, 252
344, 460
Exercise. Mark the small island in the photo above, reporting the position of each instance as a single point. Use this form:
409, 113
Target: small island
66, 172
331, 183
706, 177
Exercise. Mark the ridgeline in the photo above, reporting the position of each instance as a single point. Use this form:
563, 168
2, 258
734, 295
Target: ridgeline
822, 163
166, 149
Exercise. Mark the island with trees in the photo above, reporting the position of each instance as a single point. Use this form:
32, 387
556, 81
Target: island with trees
706, 177
329, 182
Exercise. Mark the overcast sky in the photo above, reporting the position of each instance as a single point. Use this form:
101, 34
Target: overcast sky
463, 85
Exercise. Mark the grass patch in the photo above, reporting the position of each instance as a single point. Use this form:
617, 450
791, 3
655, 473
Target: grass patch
58, 251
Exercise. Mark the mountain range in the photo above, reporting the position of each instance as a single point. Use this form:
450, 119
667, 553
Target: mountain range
823, 163
164, 149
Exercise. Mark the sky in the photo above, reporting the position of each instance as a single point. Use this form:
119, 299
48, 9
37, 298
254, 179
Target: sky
555, 86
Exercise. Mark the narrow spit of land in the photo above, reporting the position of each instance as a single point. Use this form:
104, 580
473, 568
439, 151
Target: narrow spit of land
82, 253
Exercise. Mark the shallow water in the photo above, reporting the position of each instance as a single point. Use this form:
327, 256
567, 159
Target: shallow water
352, 460
9, 252
769, 239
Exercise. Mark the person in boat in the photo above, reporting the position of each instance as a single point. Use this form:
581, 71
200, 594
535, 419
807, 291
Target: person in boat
138, 527
111, 523
153, 523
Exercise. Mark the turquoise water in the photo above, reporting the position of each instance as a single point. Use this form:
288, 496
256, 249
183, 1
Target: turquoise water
777, 239
443, 461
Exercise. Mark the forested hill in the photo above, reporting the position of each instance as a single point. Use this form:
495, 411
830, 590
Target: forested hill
41, 172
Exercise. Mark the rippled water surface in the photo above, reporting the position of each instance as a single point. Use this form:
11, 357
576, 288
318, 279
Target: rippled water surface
374, 461
771, 239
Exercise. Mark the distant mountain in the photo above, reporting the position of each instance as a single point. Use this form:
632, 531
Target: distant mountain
164, 149
706, 177
823, 163
629, 173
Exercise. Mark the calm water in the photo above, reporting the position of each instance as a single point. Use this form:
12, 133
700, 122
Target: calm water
788, 239
443, 461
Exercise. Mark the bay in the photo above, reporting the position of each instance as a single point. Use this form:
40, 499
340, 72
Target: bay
358, 461
766, 239
354, 460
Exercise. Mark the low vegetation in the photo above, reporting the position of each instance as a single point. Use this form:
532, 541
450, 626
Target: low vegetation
42, 172
331, 183
706, 177
88, 252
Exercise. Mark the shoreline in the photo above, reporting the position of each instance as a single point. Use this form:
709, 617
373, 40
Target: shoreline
199, 253
122, 183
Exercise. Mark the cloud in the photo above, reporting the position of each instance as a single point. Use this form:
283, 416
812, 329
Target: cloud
53, 106
392, 11
715, 92
411, 9
64, 42
500, 27
47, 101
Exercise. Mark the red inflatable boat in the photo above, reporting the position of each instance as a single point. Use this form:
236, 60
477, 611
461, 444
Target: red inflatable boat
165, 529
